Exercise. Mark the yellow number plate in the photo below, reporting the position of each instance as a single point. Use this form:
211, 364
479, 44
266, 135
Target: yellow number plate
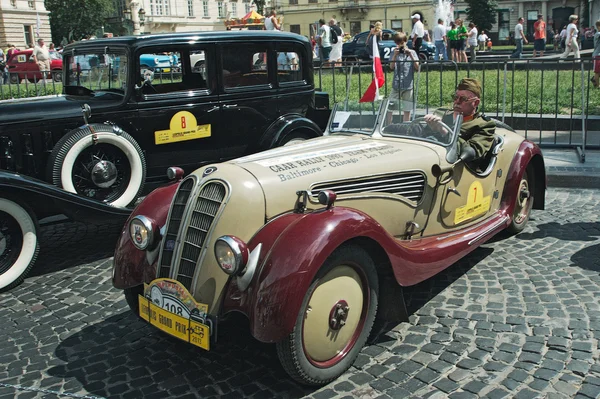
165, 70
188, 330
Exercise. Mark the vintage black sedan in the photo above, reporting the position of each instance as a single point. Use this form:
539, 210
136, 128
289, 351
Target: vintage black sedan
120, 124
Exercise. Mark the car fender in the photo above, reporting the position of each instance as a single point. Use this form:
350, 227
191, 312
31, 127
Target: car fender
47, 200
292, 262
530, 154
283, 126
131, 266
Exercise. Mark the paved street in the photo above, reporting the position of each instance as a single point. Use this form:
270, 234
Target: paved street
518, 318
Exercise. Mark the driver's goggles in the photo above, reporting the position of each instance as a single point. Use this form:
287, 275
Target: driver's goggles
462, 99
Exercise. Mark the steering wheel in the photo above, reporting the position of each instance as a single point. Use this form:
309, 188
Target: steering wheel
148, 83
427, 132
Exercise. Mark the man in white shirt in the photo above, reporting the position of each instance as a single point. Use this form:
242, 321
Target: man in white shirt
439, 39
41, 56
519, 39
482, 40
324, 41
418, 31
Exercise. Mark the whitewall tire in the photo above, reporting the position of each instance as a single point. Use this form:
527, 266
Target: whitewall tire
19, 244
99, 161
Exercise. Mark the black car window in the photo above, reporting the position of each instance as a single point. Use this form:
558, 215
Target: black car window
362, 39
289, 67
244, 65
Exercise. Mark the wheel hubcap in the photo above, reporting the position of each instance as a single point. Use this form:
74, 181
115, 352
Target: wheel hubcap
523, 202
104, 174
11, 240
330, 329
339, 315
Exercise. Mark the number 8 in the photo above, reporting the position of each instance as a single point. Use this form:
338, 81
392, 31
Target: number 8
183, 125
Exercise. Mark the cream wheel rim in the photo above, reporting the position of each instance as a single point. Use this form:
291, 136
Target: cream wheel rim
522, 206
339, 293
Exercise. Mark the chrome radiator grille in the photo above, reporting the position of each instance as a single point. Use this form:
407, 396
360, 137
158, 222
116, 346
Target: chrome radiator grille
207, 205
409, 185
173, 224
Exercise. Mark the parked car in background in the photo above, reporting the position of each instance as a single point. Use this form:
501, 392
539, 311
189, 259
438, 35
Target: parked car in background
22, 66
165, 62
303, 239
113, 133
356, 48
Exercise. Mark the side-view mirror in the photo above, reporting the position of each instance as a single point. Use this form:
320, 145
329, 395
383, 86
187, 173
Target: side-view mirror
467, 154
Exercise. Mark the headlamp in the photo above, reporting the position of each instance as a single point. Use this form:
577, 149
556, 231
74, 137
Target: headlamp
142, 232
231, 254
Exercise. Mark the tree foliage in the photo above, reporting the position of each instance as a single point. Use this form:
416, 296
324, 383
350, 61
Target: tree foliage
260, 6
75, 19
482, 13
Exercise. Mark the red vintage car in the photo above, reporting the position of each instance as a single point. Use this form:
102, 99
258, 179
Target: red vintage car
22, 66
311, 241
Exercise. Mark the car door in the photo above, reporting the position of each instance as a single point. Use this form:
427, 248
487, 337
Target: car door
179, 112
248, 94
294, 90
470, 195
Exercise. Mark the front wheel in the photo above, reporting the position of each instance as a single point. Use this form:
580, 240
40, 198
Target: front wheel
523, 203
132, 298
57, 76
19, 245
335, 319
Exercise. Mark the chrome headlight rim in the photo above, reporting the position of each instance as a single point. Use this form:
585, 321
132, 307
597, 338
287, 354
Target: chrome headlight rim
240, 254
148, 225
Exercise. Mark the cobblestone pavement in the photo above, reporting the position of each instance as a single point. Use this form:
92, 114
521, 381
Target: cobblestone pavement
518, 318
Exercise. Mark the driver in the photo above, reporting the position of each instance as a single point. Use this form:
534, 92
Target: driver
477, 130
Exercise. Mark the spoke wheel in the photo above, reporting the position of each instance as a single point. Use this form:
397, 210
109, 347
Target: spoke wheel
335, 319
101, 172
523, 203
18, 243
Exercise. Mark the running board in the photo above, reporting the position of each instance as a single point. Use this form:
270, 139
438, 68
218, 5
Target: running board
499, 224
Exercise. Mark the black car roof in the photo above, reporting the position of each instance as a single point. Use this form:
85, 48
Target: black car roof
186, 37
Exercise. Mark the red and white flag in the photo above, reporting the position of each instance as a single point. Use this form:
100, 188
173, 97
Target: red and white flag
372, 92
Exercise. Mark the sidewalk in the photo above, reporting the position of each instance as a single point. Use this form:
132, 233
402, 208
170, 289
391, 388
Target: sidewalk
563, 168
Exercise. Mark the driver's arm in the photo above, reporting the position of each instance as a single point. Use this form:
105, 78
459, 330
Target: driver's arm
433, 121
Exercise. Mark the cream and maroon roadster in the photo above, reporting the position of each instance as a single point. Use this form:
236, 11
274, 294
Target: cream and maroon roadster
307, 240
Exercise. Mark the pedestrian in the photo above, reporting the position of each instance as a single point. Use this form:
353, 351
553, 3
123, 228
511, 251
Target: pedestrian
596, 56
571, 41
336, 48
271, 22
481, 39
377, 31
3, 69
418, 31
453, 37
489, 45
539, 36
404, 62
462, 40
440, 41
519, 39
41, 56
472, 41
556, 40
324, 40
563, 37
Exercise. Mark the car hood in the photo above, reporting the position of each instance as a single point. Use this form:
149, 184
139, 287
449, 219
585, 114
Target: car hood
49, 107
283, 171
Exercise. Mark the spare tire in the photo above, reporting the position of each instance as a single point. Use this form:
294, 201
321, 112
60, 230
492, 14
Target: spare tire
99, 161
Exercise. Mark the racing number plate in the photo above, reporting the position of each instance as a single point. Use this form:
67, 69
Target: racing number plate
188, 330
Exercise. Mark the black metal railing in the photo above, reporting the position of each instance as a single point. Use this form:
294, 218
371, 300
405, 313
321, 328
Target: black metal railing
549, 101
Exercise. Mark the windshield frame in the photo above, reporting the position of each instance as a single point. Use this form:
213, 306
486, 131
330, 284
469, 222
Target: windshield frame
372, 133
121, 51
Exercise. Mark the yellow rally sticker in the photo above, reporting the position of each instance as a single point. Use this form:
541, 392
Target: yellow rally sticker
183, 127
168, 305
477, 204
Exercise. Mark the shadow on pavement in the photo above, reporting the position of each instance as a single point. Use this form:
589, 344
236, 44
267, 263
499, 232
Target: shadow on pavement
71, 244
580, 231
123, 357
588, 258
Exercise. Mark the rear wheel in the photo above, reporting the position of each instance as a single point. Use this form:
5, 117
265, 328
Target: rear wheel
523, 203
19, 245
335, 319
57, 76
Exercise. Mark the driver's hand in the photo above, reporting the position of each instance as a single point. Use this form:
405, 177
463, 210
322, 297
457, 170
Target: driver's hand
433, 121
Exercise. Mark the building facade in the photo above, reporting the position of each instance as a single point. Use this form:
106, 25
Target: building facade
354, 16
183, 15
22, 22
